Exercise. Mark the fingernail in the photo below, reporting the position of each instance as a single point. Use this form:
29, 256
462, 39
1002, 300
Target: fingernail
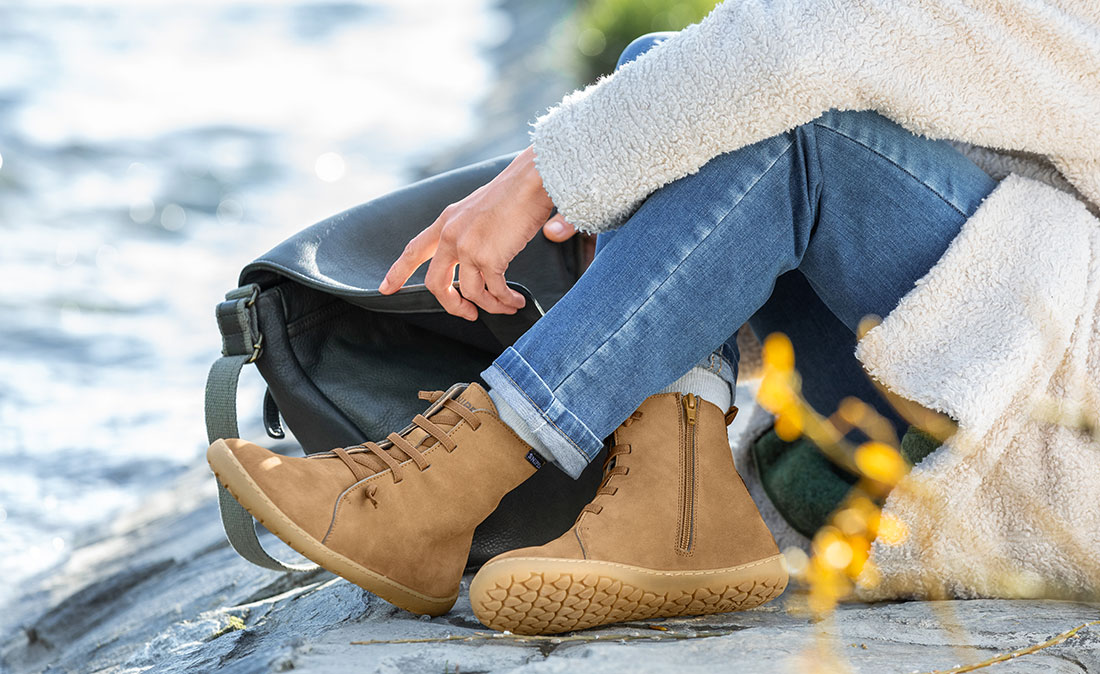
519, 300
557, 227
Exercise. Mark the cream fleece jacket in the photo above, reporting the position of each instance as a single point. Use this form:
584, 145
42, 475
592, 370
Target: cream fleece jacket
1021, 76
1003, 334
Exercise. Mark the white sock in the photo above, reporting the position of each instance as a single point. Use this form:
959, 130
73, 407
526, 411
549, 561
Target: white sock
517, 424
705, 384
698, 380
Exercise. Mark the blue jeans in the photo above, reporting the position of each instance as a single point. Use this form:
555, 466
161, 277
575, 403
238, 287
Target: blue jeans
805, 233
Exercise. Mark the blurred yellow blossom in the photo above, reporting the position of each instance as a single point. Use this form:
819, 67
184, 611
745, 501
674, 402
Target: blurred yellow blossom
788, 424
778, 352
840, 549
891, 530
881, 462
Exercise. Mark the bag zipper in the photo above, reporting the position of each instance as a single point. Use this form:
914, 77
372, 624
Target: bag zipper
687, 476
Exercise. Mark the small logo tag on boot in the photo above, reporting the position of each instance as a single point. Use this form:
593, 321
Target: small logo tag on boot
535, 459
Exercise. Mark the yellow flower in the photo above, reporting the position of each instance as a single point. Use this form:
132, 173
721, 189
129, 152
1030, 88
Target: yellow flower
852, 410
778, 352
788, 425
861, 549
881, 462
775, 393
838, 554
852, 521
891, 530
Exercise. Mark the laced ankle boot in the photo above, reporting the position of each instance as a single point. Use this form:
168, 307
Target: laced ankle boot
395, 517
672, 531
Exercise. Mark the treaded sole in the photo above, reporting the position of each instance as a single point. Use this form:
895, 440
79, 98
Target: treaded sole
232, 475
531, 595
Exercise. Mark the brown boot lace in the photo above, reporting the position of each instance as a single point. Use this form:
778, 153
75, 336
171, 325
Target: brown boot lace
611, 469
395, 449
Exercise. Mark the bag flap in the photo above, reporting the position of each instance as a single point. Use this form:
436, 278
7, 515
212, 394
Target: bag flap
349, 254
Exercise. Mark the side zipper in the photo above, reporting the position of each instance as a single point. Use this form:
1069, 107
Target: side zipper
687, 476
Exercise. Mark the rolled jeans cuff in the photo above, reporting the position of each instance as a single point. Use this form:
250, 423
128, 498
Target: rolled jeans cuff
719, 363
572, 444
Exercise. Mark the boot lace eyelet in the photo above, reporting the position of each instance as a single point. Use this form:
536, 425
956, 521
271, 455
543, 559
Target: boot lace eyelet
399, 449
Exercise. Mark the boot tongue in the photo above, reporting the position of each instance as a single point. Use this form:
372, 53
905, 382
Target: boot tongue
472, 397
475, 398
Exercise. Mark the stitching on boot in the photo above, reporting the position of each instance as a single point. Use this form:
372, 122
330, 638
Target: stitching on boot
345, 495
328, 552
577, 533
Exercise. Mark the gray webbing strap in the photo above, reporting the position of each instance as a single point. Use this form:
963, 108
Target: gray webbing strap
241, 344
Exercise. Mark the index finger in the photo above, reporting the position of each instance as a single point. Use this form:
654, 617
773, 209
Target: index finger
417, 252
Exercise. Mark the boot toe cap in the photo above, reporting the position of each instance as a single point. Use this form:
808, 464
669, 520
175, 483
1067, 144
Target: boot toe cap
252, 457
302, 490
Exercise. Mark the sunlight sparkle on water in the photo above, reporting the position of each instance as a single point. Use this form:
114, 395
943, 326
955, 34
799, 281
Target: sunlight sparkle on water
173, 217
66, 253
330, 167
230, 212
142, 210
150, 135
106, 256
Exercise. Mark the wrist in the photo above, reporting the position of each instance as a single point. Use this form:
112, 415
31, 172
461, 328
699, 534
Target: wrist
530, 179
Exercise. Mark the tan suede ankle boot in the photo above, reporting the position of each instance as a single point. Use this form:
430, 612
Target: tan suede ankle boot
395, 517
672, 531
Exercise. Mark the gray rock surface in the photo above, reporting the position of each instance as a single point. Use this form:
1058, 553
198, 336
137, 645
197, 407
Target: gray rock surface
162, 591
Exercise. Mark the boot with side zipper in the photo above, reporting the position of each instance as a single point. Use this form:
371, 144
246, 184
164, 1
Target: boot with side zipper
672, 531
395, 517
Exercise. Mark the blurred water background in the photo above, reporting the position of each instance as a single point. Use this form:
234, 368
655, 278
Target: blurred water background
148, 150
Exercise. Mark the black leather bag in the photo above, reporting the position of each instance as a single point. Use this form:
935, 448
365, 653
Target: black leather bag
343, 363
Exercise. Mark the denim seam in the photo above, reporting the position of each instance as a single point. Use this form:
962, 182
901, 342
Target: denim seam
813, 201
536, 406
716, 357
678, 264
523, 360
543, 413
895, 163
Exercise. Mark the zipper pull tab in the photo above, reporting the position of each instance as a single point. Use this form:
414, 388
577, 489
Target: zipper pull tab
689, 408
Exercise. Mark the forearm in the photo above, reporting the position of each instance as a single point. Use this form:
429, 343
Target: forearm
718, 85
972, 70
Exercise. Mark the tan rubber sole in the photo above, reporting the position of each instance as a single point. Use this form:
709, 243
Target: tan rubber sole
231, 474
531, 595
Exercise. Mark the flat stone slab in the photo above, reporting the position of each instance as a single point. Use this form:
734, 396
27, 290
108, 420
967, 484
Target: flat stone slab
162, 591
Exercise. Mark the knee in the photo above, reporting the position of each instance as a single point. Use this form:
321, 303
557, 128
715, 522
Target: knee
641, 45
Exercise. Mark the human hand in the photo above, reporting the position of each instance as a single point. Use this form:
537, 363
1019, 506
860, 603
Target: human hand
480, 235
557, 230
